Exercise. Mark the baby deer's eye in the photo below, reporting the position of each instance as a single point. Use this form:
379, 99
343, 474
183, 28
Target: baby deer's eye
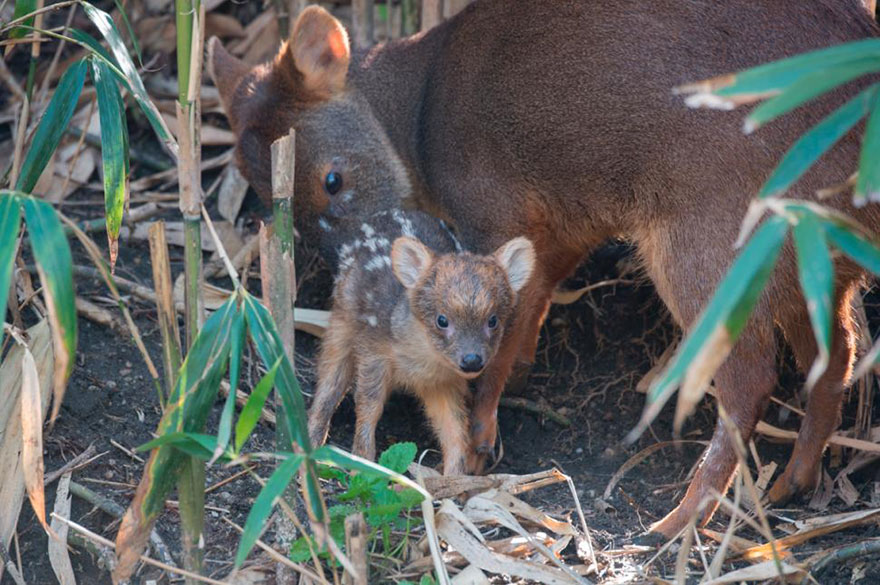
442, 321
493, 322
333, 182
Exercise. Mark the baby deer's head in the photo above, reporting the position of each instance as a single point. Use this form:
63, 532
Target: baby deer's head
463, 301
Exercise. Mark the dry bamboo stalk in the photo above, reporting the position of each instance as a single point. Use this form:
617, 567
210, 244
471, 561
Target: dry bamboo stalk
278, 275
356, 537
362, 24
432, 14
167, 314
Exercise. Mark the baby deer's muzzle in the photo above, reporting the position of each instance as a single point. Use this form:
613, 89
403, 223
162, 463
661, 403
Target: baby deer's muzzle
471, 363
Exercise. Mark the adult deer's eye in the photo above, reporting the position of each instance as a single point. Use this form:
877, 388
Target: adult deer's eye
442, 321
493, 322
333, 182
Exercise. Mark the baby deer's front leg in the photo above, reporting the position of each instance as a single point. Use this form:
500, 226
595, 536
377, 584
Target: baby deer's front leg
445, 407
335, 373
370, 395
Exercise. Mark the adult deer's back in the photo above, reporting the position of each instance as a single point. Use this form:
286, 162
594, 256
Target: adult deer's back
555, 120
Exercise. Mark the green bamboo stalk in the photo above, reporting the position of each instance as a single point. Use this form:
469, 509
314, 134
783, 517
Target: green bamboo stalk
190, 39
279, 289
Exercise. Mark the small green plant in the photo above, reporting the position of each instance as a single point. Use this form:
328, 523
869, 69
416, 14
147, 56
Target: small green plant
385, 509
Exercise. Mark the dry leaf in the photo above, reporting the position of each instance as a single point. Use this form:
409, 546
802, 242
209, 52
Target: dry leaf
460, 538
58, 555
471, 575
210, 135
233, 188
759, 572
11, 473
32, 436
223, 26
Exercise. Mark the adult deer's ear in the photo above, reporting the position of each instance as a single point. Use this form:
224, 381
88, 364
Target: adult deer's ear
410, 260
320, 50
226, 71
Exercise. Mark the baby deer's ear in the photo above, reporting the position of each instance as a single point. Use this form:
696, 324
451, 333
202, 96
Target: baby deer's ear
226, 71
320, 50
517, 258
410, 260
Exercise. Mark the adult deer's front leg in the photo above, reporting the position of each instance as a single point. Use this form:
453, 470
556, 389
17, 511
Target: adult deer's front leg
530, 308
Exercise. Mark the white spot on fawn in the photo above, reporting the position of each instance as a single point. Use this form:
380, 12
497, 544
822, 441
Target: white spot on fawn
378, 262
368, 230
323, 224
406, 225
371, 320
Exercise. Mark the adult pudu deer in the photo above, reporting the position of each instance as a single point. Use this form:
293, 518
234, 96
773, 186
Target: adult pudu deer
555, 120
408, 315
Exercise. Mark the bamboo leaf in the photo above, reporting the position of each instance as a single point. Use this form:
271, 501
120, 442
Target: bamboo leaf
130, 30
263, 504
93, 44
113, 152
188, 407
710, 339
22, 8
816, 141
772, 78
236, 349
250, 414
10, 218
817, 283
268, 343
807, 88
868, 181
55, 267
52, 126
105, 25
863, 248
198, 445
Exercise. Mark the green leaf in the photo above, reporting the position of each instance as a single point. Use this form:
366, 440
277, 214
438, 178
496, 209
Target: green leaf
817, 283
268, 343
52, 126
105, 25
709, 340
113, 151
807, 88
131, 35
55, 266
10, 220
857, 244
331, 455
22, 8
868, 182
398, 457
198, 445
253, 526
779, 75
188, 407
816, 141
236, 349
250, 414
95, 46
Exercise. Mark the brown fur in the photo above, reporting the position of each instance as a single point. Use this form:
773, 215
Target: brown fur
383, 329
555, 120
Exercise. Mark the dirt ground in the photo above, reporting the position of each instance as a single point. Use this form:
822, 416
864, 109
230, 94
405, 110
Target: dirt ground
591, 356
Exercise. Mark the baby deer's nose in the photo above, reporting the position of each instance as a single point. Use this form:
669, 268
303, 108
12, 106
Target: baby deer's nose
472, 363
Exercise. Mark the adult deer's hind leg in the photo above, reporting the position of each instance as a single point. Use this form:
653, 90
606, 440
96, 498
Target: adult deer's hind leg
823, 407
743, 382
